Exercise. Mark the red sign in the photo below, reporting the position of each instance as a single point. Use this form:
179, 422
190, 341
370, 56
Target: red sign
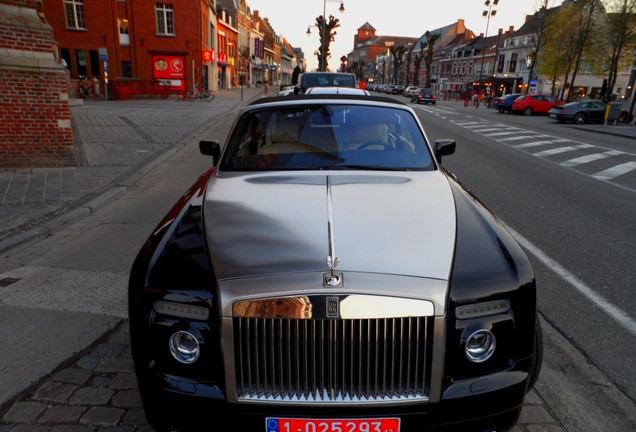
223, 58
207, 55
169, 71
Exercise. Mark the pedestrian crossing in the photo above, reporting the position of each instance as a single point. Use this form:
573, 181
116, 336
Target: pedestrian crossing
594, 161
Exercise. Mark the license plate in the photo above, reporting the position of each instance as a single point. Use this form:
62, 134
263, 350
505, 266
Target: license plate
552, 116
279, 424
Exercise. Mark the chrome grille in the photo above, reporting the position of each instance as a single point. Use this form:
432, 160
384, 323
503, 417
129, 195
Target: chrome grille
332, 361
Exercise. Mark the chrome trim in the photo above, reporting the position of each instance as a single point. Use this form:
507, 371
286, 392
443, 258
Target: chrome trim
350, 306
285, 285
332, 259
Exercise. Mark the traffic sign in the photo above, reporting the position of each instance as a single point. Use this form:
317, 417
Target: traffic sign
103, 54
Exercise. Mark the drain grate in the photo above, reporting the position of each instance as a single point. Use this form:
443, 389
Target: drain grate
5, 282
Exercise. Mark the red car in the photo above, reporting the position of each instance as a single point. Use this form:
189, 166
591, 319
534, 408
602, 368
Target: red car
534, 104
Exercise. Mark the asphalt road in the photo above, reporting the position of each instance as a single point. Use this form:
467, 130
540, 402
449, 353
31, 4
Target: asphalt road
560, 190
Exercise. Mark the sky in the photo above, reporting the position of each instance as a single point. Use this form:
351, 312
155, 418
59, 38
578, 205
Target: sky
408, 18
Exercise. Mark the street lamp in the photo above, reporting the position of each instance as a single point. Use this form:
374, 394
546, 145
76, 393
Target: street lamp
487, 14
323, 44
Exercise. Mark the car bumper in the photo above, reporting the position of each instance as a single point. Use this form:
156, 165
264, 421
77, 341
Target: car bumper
473, 403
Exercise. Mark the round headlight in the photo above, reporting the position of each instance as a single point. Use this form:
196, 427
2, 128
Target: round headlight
184, 347
480, 346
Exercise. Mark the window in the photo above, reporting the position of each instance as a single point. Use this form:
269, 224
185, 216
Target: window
126, 69
124, 36
500, 64
165, 19
75, 14
513, 62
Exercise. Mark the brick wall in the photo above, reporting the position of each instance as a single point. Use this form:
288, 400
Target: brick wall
35, 119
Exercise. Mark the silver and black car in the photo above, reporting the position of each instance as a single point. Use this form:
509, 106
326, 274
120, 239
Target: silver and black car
327, 274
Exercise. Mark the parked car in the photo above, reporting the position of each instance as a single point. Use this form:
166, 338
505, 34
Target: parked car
426, 95
503, 103
529, 104
410, 90
326, 273
398, 89
325, 79
579, 112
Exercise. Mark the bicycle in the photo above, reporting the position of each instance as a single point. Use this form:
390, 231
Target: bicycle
205, 94
85, 87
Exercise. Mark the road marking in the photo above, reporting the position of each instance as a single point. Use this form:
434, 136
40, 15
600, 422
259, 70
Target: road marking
615, 171
536, 143
555, 151
502, 133
585, 159
614, 312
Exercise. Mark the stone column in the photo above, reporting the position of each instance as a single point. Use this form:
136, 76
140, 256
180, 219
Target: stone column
35, 118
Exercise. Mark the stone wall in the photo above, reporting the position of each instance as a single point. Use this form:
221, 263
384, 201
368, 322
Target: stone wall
35, 118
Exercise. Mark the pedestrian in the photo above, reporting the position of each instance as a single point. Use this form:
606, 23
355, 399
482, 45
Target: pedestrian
266, 84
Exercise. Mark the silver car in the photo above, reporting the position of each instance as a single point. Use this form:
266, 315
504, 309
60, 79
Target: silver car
327, 274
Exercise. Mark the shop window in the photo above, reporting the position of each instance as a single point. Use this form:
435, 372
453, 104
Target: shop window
165, 19
94, 63
81, 62
75, 14
65, 54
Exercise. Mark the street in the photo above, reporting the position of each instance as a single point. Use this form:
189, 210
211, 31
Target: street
574, 218
568, 196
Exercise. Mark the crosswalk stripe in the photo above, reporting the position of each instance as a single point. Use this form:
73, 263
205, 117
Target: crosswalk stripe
615, 171
555, 151
585, 159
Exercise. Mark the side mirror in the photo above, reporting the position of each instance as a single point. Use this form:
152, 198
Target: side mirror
211, 148
444, 147
296, 90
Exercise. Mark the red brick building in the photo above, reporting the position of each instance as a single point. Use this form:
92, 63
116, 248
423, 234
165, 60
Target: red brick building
35, 120
140, 46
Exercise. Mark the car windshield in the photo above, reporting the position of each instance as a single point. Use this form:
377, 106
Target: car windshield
327, 136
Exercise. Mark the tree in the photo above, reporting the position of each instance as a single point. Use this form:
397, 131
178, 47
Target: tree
542, 23
409, 58
614, 41
431, 38
584, 21
357, 68
556, 57
416, 72
328, 34
397, 53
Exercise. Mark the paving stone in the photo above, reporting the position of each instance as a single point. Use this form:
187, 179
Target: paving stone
124, 380
72, 428
114, 365
92, 396
62, 414
73, 375
127, 398
54, 391
102, 416
26, 428
101, 381
135, 416
88, 362
24, 411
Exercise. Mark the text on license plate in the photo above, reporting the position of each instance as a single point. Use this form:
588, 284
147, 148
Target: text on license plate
276, 424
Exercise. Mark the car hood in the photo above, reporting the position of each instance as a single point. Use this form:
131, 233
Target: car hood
269, 223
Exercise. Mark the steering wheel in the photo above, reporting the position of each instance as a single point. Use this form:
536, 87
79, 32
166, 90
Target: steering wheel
382, 144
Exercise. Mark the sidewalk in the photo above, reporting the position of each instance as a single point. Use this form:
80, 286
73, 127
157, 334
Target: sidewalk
96, 390
117, 143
